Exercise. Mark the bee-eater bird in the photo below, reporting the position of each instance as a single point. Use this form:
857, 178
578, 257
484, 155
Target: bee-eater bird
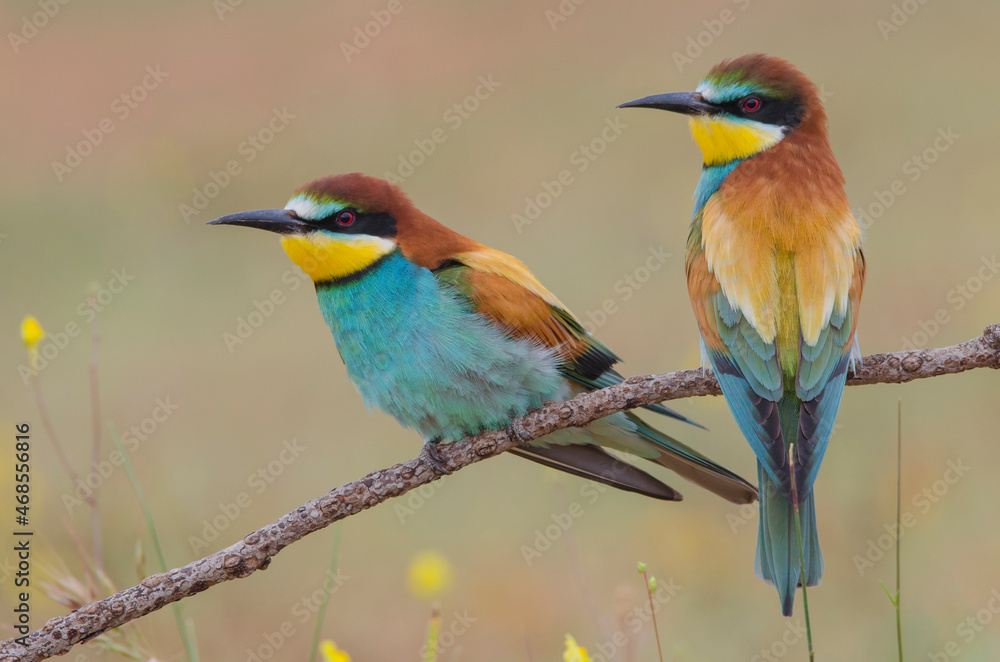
452, 337
775, 272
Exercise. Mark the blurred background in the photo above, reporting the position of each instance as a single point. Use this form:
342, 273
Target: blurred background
129, 125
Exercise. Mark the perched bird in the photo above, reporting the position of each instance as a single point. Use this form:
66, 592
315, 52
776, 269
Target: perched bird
452, 337
775, 272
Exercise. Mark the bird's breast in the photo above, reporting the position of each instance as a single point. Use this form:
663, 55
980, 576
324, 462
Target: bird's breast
415, 350
781, 266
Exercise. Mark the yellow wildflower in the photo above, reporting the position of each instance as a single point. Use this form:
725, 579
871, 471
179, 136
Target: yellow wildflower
574, 652
32, 333
333, 654
430, 574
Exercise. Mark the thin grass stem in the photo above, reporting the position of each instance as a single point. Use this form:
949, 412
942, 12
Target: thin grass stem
43, 413
802, 557
182, 626
899, 509
97, 426
433, 633
338, 532
652, 612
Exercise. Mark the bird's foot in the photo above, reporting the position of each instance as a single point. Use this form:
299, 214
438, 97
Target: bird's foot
429, 454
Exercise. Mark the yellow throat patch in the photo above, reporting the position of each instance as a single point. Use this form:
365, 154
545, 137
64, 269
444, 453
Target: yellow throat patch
328, 257
724, 139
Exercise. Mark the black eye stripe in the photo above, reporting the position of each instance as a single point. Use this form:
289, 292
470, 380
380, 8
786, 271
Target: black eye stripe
780, 112
354, 221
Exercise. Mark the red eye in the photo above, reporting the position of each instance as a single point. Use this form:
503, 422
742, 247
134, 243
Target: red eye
750, 104
345, 218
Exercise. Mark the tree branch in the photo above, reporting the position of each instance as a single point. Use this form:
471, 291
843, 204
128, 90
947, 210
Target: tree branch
257, 549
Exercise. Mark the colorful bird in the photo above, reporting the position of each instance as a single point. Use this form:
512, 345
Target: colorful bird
452, 337
775, 272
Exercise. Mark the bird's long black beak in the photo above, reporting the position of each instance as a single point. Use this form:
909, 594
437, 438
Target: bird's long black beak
281, 221
688, 103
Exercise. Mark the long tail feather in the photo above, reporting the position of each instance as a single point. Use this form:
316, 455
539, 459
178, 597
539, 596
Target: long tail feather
695, 467
777, 559
591, 462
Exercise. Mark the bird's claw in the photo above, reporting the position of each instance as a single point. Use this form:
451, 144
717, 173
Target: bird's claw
429, 454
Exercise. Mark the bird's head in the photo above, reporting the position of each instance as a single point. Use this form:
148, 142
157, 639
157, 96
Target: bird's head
337, 227
744, 106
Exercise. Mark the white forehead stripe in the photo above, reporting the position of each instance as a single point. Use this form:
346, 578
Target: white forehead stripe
311, 209
707, 91
723, 93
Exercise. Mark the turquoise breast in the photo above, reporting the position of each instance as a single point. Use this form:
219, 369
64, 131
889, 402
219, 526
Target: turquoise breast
415, 349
